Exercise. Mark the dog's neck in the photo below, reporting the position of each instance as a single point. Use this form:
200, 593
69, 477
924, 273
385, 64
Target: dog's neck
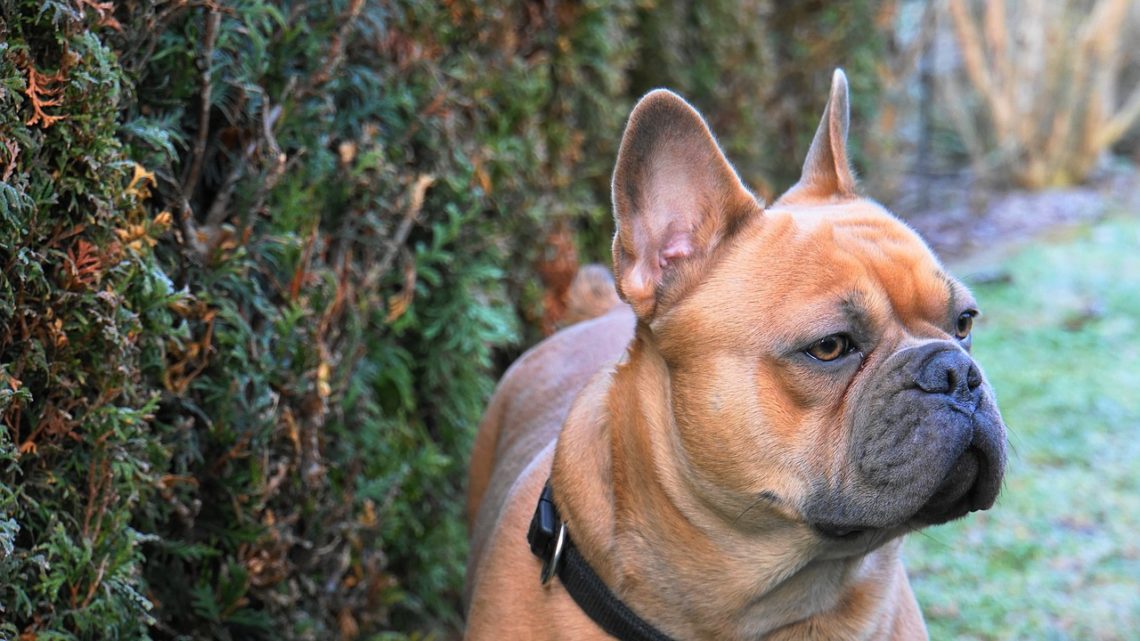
644, 531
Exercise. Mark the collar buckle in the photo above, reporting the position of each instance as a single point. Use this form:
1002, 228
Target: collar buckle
547, 534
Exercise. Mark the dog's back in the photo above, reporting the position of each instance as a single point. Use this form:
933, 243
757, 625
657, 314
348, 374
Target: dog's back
532, 399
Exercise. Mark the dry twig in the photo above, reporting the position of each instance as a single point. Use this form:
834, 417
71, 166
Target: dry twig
415, 204
44, 91
205, 84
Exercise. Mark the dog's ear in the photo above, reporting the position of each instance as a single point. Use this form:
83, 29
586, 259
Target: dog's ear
826, 172
676, 198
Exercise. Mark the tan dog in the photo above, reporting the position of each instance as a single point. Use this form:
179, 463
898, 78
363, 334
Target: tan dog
738, 451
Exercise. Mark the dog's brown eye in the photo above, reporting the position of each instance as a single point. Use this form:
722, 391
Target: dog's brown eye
830, 348
965, 324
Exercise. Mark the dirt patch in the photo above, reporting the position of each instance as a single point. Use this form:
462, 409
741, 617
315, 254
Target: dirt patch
966, 220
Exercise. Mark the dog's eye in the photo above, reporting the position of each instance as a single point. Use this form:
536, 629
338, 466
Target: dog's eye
831, 347
965, 324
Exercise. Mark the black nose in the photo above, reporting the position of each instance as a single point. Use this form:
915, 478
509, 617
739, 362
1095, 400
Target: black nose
948, 371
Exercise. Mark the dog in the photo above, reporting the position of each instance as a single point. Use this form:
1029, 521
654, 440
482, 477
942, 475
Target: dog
736, 449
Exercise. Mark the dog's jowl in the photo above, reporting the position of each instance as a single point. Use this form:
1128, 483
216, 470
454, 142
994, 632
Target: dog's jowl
735, 448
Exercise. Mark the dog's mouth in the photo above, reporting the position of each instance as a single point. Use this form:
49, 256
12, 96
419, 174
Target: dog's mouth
969, 486
961, 492
841, 532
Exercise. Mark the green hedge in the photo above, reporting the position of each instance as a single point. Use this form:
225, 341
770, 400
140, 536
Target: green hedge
261, 262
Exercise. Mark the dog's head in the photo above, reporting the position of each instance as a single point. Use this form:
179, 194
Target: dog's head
818, 354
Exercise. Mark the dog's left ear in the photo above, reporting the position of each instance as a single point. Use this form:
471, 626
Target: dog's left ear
826, 172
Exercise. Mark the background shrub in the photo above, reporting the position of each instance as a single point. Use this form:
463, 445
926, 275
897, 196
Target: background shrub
262, 261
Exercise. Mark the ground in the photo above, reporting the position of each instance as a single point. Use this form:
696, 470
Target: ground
1058, 557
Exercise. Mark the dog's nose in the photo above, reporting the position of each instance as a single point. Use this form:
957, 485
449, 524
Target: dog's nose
948, 371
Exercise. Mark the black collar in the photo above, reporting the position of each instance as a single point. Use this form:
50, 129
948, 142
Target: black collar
550, 541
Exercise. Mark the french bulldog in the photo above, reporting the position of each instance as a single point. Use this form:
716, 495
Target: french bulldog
738, 446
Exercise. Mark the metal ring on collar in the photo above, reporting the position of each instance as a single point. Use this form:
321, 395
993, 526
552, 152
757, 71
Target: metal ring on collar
550, 567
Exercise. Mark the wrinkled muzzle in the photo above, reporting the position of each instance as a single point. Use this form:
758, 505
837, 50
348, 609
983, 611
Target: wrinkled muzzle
927, 445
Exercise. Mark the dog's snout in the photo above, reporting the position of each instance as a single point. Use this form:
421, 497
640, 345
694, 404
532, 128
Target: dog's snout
948, 371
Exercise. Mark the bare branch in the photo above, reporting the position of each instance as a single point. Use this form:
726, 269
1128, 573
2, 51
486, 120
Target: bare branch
1121, 122
978, 68
194, 169
415, 204
1108, 18
221, 202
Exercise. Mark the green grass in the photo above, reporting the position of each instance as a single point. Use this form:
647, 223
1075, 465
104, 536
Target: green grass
1058, 557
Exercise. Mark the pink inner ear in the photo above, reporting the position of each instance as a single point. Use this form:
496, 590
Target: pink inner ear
679, 245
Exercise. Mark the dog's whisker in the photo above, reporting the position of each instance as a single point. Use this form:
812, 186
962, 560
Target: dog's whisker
750, 506
765, 496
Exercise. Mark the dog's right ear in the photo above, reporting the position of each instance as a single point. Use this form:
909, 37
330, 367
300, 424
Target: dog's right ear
826, 173
676, 198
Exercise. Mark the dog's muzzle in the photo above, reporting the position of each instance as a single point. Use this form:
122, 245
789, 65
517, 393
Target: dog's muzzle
927, 446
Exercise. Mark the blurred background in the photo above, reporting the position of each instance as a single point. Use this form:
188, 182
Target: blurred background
263, 262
